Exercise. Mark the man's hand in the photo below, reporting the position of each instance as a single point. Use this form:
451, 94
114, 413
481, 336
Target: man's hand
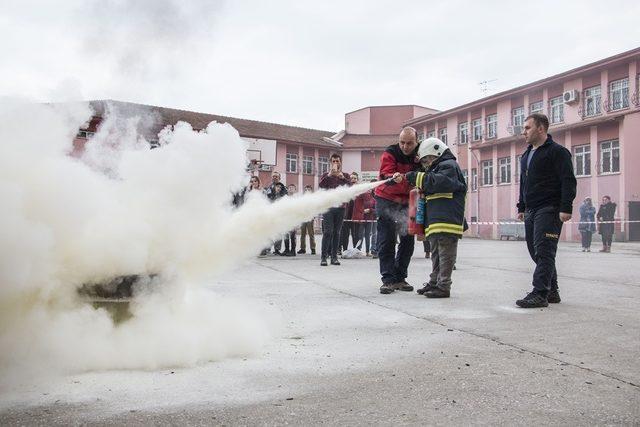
397, 177
520, 216
564, 217
367, 210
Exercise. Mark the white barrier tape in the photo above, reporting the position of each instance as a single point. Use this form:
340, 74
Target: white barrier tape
568, 222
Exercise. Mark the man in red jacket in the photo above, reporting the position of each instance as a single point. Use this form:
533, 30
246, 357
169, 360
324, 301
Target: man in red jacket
392, 202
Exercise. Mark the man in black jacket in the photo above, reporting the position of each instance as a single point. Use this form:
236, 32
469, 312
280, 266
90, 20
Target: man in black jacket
547, 190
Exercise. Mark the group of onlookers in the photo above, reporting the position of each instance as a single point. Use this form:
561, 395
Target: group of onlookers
603, 220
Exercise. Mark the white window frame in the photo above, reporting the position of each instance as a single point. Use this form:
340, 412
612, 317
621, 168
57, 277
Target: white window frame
556, 110
492, 125
536, 107
619, 94
323, 165
465, 174
608, 151
592, 100
476, 125
431, 134
518, 163
442, 133
504, 167
582, 160
463, 132
291, 160
420, 137
474, 179
517, 116
487, 173
307, 165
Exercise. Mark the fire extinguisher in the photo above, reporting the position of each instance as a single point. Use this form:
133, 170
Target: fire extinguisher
416, 214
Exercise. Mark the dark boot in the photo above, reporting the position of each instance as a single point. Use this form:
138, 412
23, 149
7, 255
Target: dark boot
387, 288
403, 286
437, 293
553, 297
426, 287
533, 300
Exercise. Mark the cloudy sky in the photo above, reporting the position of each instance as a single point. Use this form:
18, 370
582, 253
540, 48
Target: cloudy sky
298, 62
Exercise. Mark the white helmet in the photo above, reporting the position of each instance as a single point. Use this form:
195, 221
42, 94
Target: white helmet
431, 147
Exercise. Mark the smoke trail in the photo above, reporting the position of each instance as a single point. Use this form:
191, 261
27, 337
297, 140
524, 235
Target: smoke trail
65, 222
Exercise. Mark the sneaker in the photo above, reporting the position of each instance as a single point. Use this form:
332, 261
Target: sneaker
374, 256
302, 251
425, 287
277, 253
427, 255
313, 251
403, 286
437, 292
553, 297
323, 262
290, 253
532, 300
387, 288
334, 261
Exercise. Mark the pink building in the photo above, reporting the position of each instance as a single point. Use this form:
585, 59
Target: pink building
368, 131
594, 112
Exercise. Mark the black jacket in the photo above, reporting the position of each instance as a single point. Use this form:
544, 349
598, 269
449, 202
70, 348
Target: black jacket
549, 179
445, 190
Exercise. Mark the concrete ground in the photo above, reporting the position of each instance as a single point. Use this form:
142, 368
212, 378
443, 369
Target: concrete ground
348, 355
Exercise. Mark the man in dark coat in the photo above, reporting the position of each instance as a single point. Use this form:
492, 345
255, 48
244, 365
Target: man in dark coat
606, 215
547, 190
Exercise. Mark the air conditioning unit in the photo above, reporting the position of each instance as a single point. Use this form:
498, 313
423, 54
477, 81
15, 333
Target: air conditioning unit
570, 96
265, 168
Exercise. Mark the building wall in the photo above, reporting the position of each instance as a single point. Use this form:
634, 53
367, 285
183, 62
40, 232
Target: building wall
351, 161
498, 200
388, 120
358, 122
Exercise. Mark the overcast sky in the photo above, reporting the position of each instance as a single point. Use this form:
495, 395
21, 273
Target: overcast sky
301, 63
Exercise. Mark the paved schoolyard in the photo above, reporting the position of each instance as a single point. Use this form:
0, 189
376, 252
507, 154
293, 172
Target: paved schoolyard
347, 355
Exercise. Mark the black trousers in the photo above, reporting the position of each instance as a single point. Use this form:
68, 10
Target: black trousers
392, 222
331, 225
586, 238
290, 241
542, 231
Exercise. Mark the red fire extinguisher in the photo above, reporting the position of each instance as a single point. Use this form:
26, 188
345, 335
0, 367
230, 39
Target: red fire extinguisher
416, 214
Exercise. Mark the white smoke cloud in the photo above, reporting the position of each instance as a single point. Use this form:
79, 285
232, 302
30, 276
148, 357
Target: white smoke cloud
124, 209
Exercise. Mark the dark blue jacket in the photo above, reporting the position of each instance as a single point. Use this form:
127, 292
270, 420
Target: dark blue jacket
549, 179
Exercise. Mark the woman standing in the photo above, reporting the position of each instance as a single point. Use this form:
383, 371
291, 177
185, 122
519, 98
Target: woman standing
587, 223
605, 216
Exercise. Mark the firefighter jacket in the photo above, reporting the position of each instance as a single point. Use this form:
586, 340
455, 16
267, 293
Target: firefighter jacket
445, 190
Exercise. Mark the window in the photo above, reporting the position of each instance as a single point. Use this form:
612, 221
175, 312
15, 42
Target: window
518, 163
535, 107
474, 179
465, 174
619, 94
592, 100
463, 133
431, 134
517, 116
292, 163
85, 134
443, 135
504, 163
307, 164
582, 158
556, 106
487, 172
610, 157
323, 165
492, 125
477, 129
420, 137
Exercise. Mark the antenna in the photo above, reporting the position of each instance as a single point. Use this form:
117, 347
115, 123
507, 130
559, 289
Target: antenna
484, 86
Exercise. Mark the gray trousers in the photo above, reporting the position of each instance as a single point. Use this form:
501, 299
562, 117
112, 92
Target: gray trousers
444, 250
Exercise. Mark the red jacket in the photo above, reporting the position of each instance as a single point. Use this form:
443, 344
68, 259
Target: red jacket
362, 202
394, 160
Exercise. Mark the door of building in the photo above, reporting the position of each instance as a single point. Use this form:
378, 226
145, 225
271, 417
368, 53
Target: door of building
634, 227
